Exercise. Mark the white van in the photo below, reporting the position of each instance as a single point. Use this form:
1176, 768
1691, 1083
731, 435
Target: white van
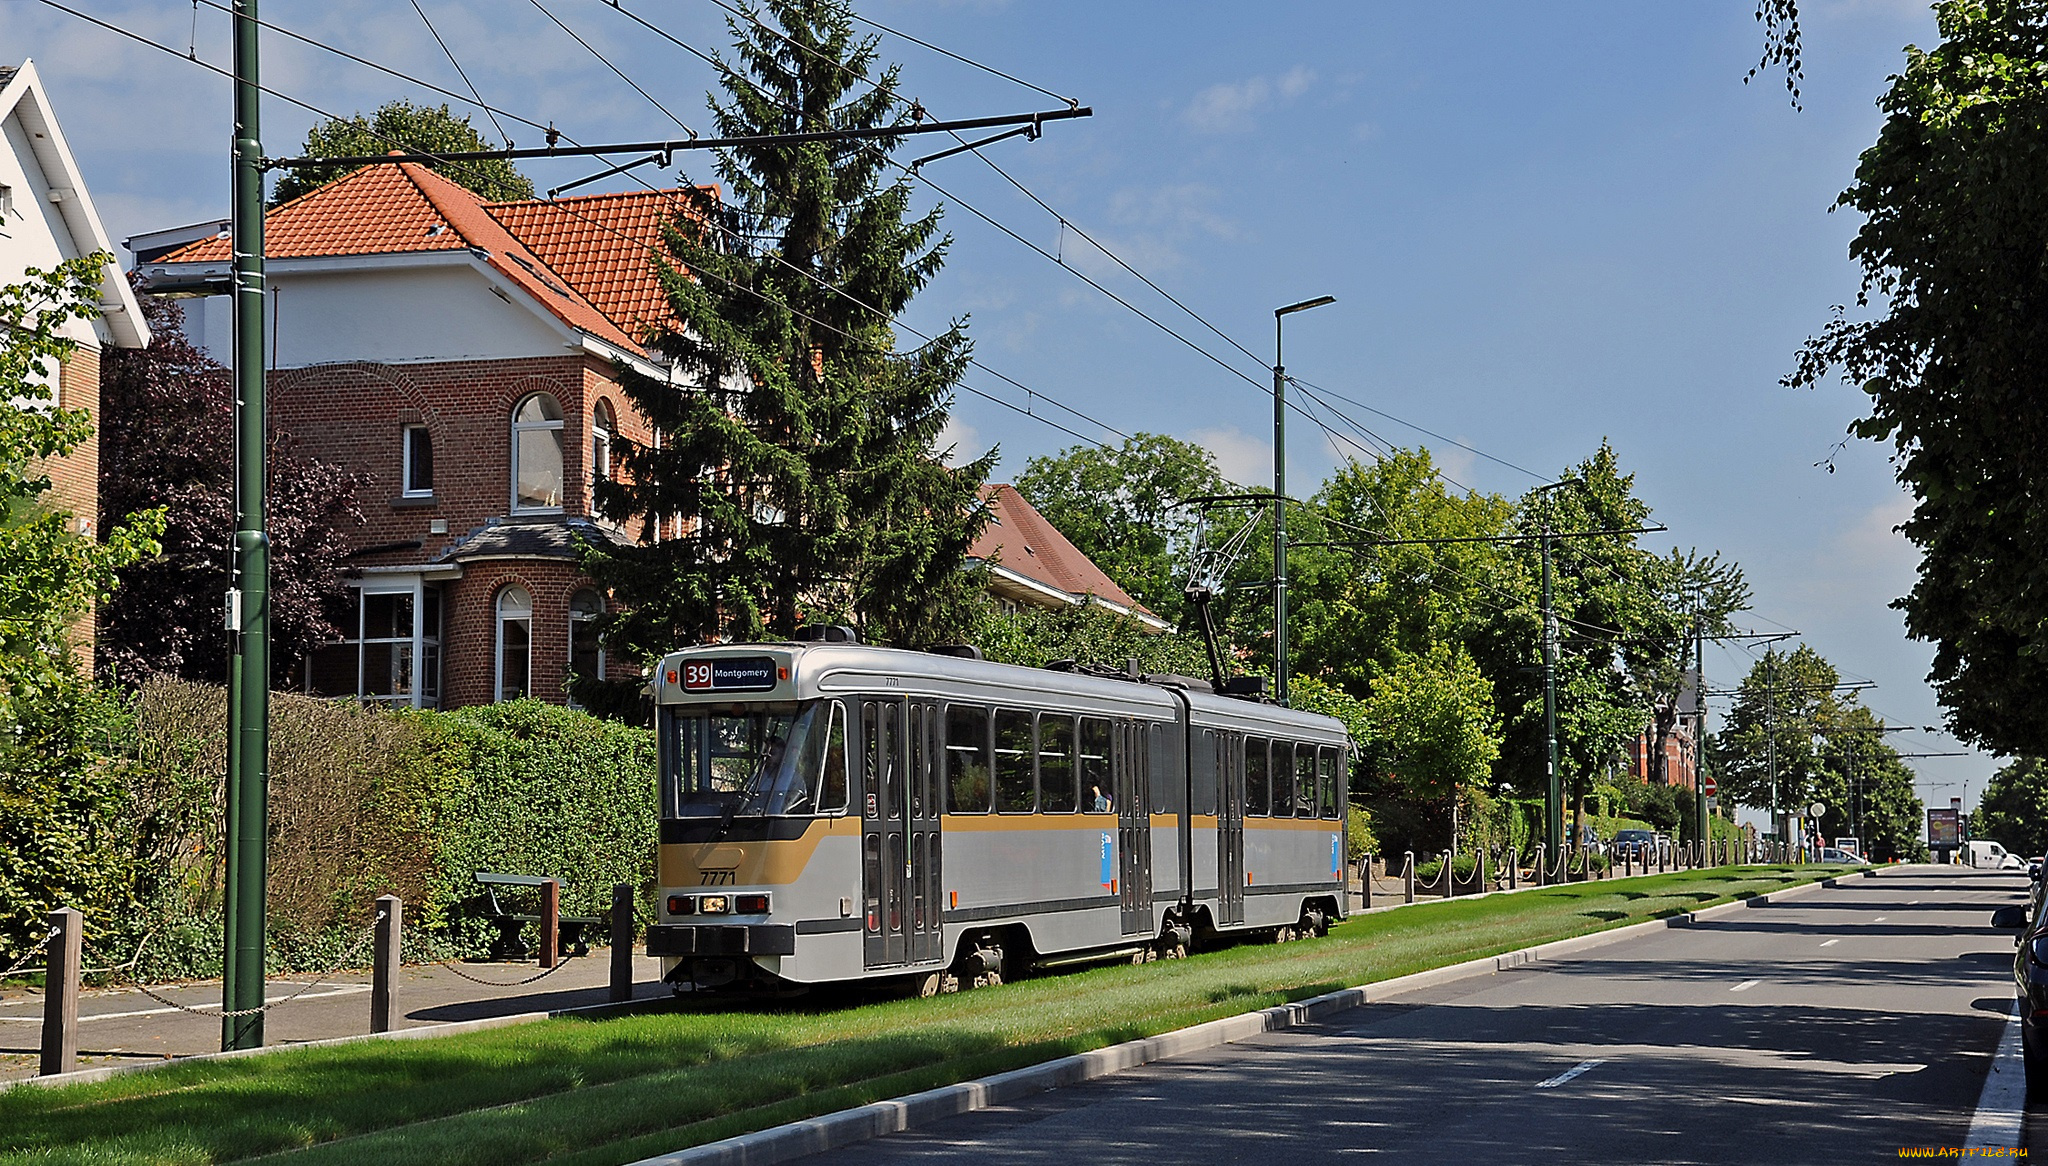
1990, 856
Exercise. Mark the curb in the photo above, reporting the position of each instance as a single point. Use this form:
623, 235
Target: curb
835, 1130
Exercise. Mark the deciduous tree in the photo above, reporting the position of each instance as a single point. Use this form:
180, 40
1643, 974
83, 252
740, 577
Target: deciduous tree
425, 129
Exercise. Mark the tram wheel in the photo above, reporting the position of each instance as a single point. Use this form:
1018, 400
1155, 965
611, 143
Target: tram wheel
929, 985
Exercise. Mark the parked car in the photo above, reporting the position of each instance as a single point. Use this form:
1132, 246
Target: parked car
1635, 844
2030, 981
1836, 855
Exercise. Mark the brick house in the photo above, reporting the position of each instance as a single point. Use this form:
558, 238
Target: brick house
1031, 564
462, 358
1681, 747
46, 218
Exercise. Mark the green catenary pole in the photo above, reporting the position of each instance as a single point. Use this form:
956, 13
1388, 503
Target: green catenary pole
1554, 797
249, 598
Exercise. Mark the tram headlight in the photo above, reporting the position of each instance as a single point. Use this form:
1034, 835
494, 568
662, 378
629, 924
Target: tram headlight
714, 905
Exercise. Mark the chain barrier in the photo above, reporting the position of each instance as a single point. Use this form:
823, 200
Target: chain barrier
346, 959
1442, 875
541, 975
30, 954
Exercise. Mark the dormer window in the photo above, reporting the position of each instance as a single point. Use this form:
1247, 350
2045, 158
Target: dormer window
537, 454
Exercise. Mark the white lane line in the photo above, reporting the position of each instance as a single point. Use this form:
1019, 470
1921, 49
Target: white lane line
346, 990
1879, 919
2002, 1105
1745, 985
1831, 943
1568, 1074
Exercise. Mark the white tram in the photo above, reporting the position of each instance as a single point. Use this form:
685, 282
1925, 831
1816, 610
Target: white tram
834, 812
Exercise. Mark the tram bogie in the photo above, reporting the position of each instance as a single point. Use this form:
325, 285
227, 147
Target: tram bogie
836, 812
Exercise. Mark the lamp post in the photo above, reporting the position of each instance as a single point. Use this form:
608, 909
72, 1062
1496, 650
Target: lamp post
1280, 497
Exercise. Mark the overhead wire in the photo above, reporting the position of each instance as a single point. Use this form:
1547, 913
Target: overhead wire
606, 62
464, 74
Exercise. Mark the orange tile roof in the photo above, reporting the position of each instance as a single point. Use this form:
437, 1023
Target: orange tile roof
600, 245
584, 259
1020, 538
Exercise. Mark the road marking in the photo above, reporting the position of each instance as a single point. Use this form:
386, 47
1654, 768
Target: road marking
1745, 985
1568, 1074
1879, 919
2002, 1104
1831, 943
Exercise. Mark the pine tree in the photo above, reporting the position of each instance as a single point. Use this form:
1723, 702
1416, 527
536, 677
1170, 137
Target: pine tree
798, 447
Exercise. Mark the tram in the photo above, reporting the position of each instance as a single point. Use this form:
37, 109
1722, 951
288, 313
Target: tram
832, 811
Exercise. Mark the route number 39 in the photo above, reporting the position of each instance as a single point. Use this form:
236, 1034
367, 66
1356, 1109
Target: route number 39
697, 674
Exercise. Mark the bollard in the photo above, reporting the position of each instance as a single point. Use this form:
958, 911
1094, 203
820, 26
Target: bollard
1448, 874
1408, 878
1542, 867
60, 992
384, 962
1514, 869
1482, 865
1365, 881
550, 922
622, 943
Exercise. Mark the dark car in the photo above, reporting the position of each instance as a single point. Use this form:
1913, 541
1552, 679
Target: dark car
1640, 845
2030, 979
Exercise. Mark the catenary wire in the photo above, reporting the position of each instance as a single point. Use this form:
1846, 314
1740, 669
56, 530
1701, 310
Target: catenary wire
464, 74
606, 62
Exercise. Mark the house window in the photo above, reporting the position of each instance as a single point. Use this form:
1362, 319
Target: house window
515, 643
586, 655
603, 424
390, 652
418, 460
537, 454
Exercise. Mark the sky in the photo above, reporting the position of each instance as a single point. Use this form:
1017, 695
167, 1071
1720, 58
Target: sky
1546, 225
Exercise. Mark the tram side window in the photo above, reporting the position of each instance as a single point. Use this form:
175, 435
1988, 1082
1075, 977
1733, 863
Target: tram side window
967, 786
1326, 781
1166, 780
882, 741
1304, 781
1202, 773
917, 772
1283, 780
1014, 749
1056, 764
1096, 789
832, 780
1256, 792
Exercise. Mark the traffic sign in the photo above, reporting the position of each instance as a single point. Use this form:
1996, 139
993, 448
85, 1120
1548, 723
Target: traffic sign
1707, 786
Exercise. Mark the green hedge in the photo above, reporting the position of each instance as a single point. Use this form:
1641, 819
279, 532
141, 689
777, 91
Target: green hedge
366, 802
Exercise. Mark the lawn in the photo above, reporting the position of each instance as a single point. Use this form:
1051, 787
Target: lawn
586, 1092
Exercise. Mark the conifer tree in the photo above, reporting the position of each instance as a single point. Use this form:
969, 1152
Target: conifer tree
798, 445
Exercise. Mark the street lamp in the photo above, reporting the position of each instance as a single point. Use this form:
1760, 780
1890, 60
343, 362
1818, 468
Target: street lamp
1280, 497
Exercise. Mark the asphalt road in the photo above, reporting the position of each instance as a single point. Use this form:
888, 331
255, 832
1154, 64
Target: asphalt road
1836, 1027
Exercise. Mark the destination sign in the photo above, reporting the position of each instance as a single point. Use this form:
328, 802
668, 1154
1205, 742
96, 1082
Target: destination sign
735, 674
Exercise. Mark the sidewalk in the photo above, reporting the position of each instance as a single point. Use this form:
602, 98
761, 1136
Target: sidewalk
121, 1026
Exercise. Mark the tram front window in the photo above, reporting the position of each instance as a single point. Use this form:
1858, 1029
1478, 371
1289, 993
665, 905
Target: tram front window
744, 761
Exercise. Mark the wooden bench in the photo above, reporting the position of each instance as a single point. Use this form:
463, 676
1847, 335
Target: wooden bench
509, 945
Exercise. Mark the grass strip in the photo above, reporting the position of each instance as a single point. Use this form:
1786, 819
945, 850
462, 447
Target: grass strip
587, 1092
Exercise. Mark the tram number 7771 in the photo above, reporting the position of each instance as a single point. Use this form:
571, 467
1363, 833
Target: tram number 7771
716, 878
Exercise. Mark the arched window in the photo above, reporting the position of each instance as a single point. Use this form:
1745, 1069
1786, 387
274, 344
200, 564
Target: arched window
537, 454
586, 656
603, 424
515, 642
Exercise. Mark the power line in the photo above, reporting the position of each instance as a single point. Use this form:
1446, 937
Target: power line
956, 56
460, 72
614, 68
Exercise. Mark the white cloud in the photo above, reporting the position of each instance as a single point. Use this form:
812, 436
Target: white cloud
959, 442
1241, 457
1230, 107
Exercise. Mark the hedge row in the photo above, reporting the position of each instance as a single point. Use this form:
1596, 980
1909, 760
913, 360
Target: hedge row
366, 802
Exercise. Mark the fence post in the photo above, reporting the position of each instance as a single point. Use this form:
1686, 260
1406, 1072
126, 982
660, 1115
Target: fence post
384, 961
1482, 865
550, 922
622, 943
1408, 879
1514, 869
60, 991
1542, 866
1365, 881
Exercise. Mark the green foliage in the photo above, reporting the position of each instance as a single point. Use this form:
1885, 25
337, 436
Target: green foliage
421, 129
1122, 508
1429, 724
61, 791
830, 503
1956, 218
2014, 809
1091, 636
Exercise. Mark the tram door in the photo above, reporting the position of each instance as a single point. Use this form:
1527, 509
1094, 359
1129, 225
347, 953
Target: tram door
885, 850
1134, 827
927, 766
1230, 829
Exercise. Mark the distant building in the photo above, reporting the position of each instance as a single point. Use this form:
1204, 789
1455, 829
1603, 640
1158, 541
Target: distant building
1033, 565
1681, 747
462, 358
46, 218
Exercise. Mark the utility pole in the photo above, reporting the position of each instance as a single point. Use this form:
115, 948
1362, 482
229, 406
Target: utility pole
248, 600
1771, 737
1280, 497
1554, 796
1699, 733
